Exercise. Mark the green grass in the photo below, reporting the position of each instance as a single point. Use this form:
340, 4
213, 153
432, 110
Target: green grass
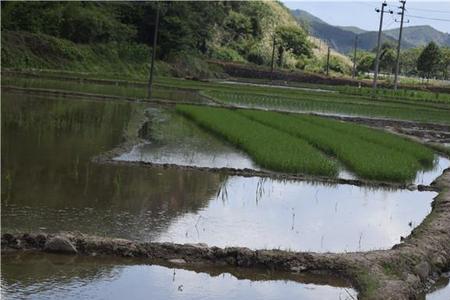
268, 147
360, 149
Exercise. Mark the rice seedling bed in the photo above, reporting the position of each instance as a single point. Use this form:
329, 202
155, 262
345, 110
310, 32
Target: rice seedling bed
103, 89
337, 104
269, 147
361, 149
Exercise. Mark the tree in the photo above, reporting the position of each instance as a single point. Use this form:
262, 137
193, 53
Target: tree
387, 57
364, 61
292, 38
408, 60
429, 60
445, 62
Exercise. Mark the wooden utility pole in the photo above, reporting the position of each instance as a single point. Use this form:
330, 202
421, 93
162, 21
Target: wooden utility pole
377, 59
273, 58
328, 61
155, 39
354, 57
397, 66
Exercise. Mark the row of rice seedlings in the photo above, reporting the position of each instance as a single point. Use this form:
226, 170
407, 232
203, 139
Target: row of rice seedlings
413, 95
367, 159
324, 98
103, 89
420, 152
268, 147
373, 109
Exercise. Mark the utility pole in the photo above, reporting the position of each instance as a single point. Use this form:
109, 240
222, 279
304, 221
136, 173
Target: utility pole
377, 59
354, 57
273, 58
328, 60
155, 38
397, 66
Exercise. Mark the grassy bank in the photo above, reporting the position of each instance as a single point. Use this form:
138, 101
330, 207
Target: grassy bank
361, 149
25, 50
268, 147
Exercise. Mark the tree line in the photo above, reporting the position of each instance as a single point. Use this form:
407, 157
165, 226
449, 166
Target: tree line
226, 30
430, 61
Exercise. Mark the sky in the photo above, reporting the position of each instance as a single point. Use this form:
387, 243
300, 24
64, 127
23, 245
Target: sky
362, 13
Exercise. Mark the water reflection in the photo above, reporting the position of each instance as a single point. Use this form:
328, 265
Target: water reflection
264, 213
49, 181
59, 276
428, 176
172, 139
441, 289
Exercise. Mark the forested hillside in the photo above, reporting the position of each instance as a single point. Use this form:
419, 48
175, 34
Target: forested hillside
117, 36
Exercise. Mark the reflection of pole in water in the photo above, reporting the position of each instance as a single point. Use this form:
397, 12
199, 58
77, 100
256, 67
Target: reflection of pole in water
293, 218
260, 189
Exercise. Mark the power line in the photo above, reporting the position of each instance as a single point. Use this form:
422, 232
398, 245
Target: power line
426, 18
431, 10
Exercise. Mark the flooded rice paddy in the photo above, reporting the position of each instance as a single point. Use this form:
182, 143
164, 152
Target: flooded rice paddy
67, 277
172, 139
49, 183
52, 159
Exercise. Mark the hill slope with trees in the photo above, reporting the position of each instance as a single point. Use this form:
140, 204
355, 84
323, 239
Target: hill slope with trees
117, 36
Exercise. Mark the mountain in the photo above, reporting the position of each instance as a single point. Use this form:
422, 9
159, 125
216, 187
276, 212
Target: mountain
421, 35
341, 38
353, 29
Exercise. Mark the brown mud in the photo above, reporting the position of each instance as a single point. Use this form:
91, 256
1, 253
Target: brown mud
403, 272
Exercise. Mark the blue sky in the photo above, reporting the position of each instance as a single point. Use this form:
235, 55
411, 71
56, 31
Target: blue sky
362, 13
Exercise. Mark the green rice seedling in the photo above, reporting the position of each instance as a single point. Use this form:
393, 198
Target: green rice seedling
334, 104
268, 147
367, 159
389, 140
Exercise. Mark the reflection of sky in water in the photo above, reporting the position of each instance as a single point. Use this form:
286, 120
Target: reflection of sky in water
259, 213
98, 281
187, 155
427, 177
441, 290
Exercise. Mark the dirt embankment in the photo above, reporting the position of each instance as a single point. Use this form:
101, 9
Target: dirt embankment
402, 272
259, 72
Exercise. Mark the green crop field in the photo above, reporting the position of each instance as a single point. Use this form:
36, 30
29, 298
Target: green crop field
335, 103
268, 147
369, 153
102, 89
348, 101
